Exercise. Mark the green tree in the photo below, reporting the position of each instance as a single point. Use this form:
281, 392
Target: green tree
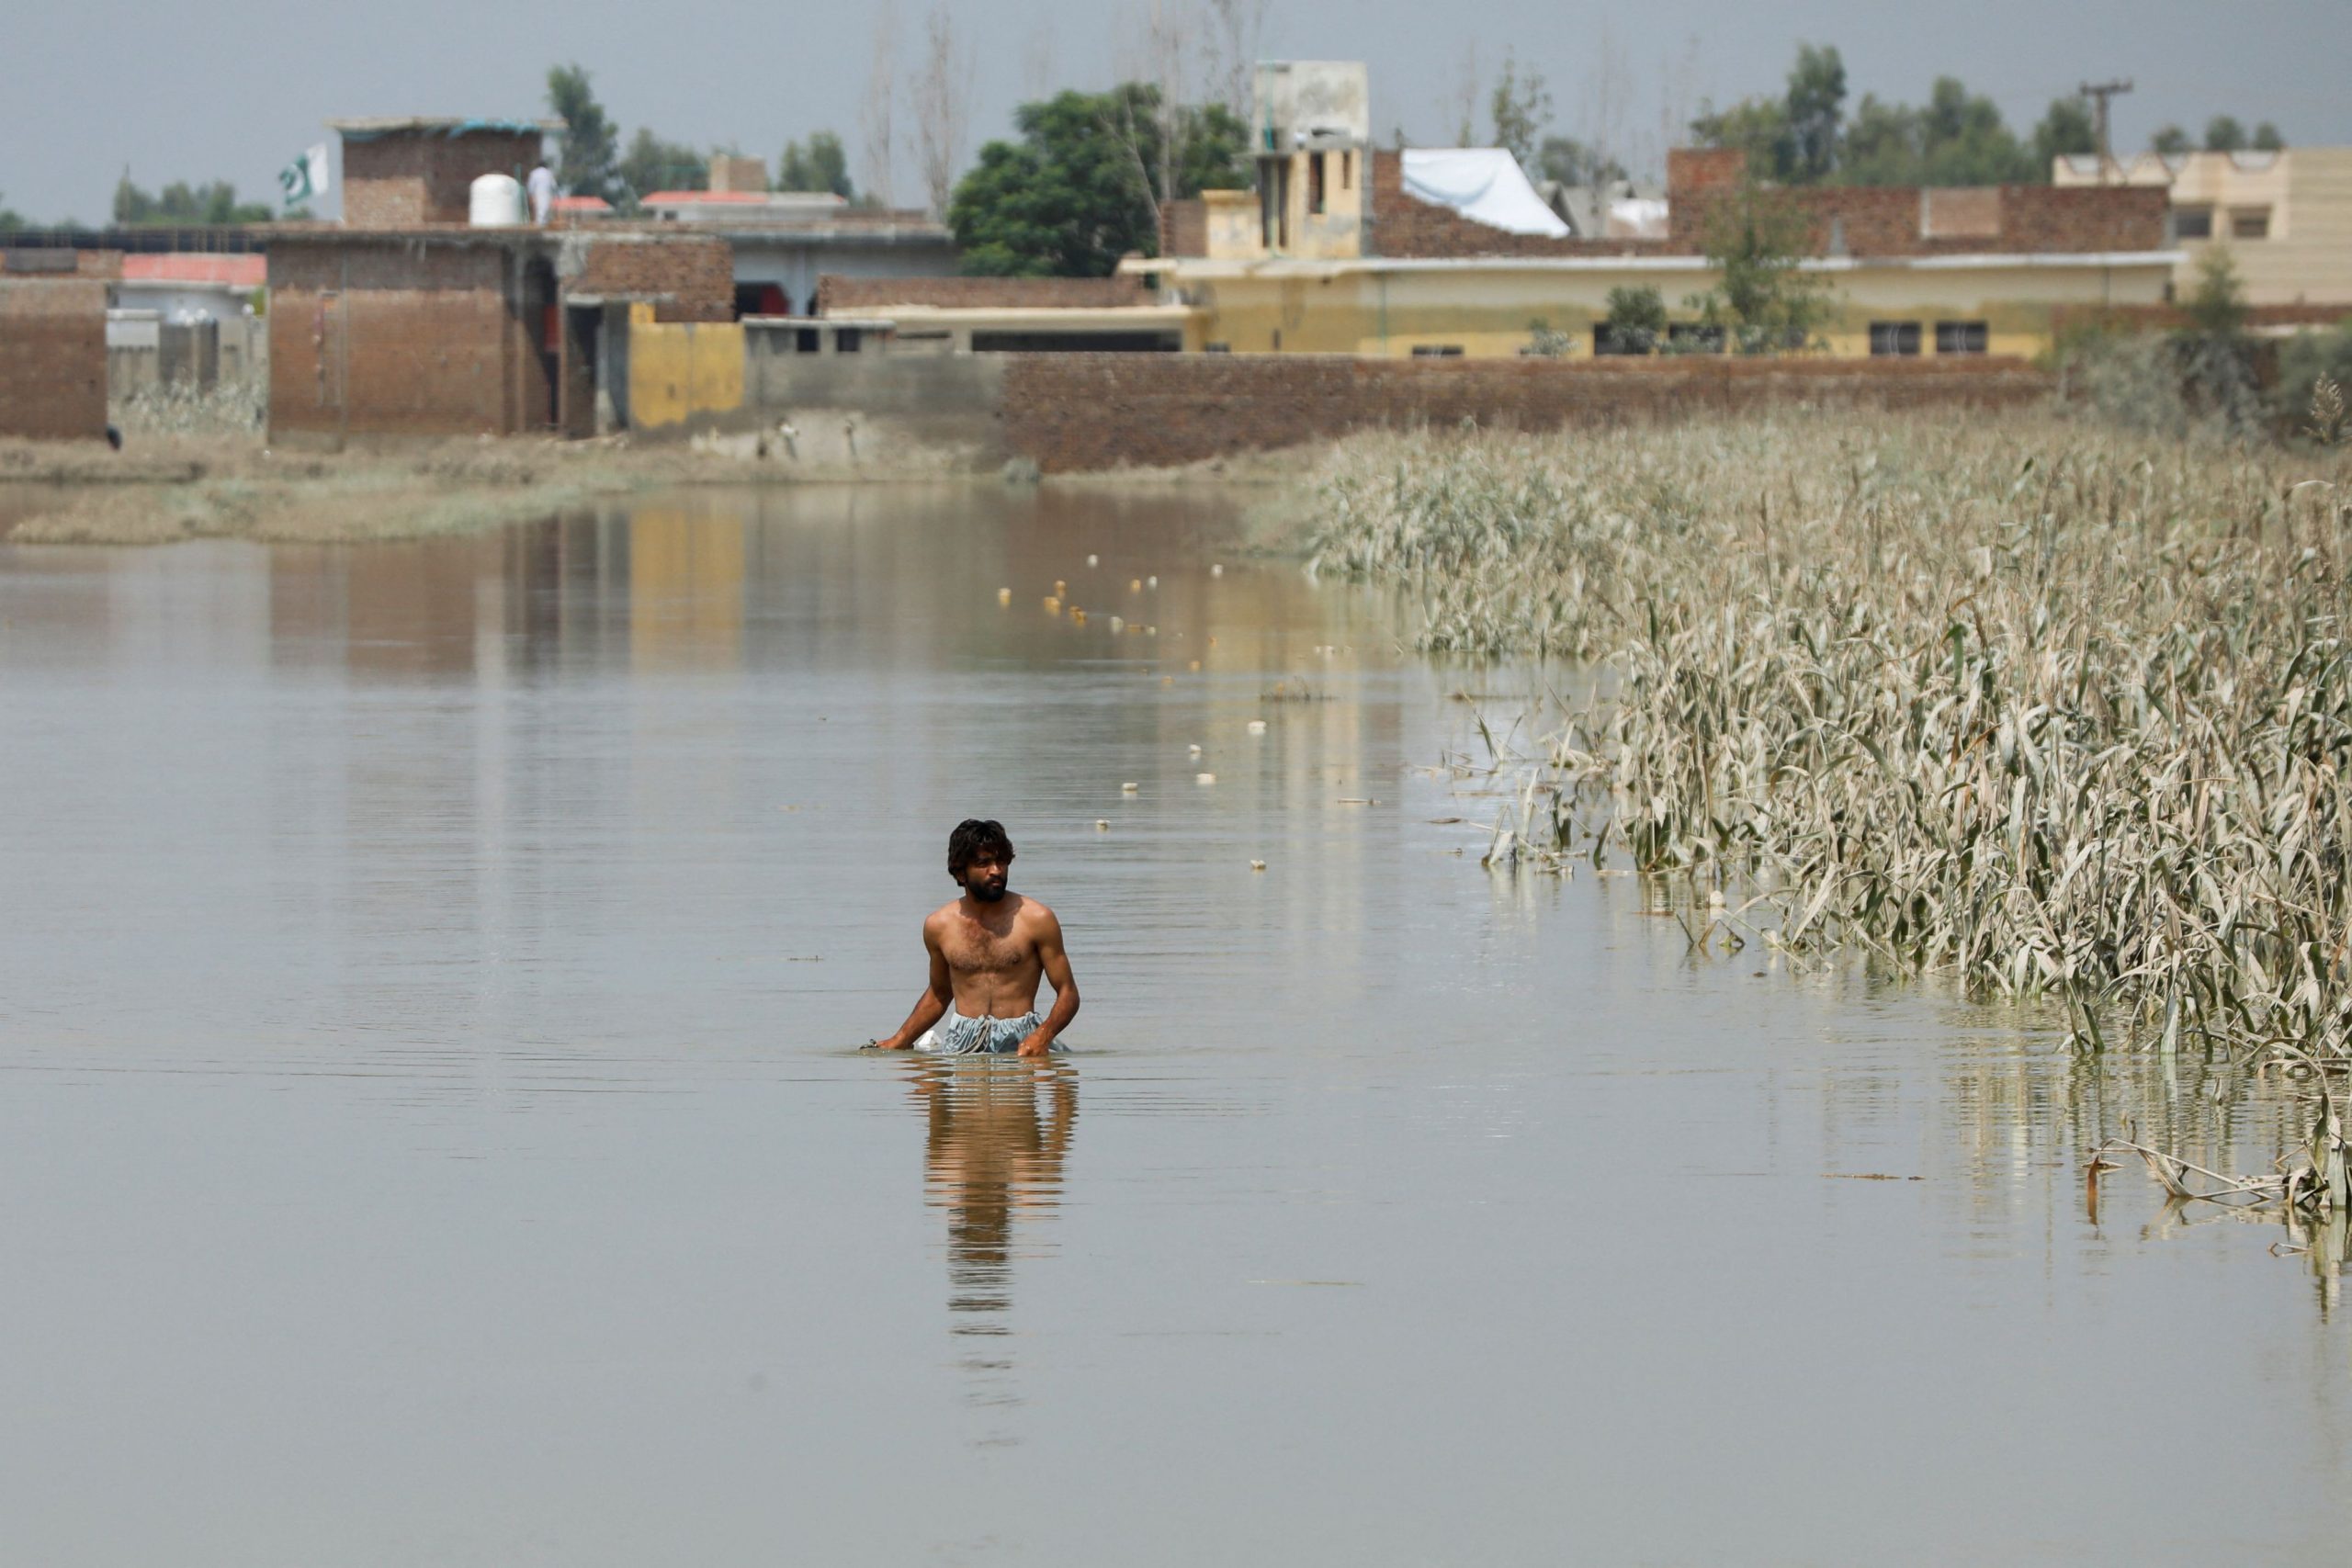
1815, 109
2224, 134
1636, 320
819, 165
2267, 139
1077, 190
1956, 138
2169, 140
1882, 144
652, 165
182, 205
1570, 161
1756, 239
1521, 107
1759, 127
10, 219
2066, 130
589, 162
2216, 307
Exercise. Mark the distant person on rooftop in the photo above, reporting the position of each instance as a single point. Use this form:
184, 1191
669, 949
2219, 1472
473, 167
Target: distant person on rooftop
541, 185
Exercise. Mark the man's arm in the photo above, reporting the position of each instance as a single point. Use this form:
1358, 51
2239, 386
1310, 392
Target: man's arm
930, 1006
1057, 966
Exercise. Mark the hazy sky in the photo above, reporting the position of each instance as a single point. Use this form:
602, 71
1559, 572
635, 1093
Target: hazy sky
233, 89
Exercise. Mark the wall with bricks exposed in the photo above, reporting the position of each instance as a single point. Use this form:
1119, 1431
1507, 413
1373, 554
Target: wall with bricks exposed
401, 338
1075, 412
1705, 184
403, 178
53, 354
686, 277
838, 295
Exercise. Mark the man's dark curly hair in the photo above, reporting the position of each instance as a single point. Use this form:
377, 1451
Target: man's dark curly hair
971, 836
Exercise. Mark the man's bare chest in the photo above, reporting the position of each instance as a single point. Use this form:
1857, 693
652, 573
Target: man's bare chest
973, 948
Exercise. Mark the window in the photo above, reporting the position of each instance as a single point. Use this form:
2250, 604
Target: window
1961, 337
846, 340
1217, 348
2192, 223
1694, 337
1347, 171
1437, 351
2250, 223
1315, 183
1894, 337
804, 340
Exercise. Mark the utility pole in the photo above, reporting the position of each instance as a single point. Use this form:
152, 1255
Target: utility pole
2098, 93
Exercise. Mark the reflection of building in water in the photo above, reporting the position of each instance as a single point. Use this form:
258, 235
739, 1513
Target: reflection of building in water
685, 587
999, 1131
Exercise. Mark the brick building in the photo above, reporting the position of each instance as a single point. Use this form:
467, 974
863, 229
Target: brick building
54, 342
405, 321
1343, 249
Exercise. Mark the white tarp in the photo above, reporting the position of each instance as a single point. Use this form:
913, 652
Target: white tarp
1485, 184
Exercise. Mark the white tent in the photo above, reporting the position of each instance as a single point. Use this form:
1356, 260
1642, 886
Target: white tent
1484, 183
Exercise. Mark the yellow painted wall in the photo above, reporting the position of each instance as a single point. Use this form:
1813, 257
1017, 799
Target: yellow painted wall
679, 371
1490, 311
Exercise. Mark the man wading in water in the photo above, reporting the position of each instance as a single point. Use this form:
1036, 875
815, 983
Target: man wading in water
988, 949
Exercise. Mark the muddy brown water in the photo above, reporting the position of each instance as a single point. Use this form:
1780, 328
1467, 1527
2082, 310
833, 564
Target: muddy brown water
430, 1129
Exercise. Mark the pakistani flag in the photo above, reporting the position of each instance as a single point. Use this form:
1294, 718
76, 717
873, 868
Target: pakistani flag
305, 177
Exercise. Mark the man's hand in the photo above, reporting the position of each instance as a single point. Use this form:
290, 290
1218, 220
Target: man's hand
893, 1043
1038, 1044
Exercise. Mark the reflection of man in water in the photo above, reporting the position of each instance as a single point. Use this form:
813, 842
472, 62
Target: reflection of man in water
990, 1155
989, 949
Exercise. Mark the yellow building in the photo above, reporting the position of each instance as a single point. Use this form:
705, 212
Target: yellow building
1346, 249
2285, 217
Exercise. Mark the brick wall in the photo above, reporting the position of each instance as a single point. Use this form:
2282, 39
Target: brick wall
404, 178
1402, 225
53, 352
839, 295
403, 338
1184, 228
690, 277
1861, 221
1074, 413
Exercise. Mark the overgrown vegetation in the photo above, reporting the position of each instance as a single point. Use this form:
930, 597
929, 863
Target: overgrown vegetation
2063, 711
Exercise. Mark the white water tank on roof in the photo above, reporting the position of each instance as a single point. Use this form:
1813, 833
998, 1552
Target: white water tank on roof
496, 202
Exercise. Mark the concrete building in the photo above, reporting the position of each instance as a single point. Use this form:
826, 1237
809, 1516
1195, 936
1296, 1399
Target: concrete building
185, 318
1009, 315
2285, 217
784, 240
1345, 249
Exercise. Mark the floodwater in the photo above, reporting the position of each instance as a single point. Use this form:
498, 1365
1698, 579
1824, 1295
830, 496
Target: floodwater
431, 1129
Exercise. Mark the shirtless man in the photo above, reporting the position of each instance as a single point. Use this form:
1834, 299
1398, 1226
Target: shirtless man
988, 949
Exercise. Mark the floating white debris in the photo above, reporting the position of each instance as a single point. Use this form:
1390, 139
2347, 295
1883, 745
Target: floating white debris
1257, 865
1204, 778
1004, 595
1061, 586
1217, 571
1193, 750
1128, 788
1151, 631
1101, 824
1094, 560
1151, 583
1257, 727
1118, 623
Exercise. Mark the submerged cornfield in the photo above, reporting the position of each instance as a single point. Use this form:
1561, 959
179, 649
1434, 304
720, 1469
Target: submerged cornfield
2061, 711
